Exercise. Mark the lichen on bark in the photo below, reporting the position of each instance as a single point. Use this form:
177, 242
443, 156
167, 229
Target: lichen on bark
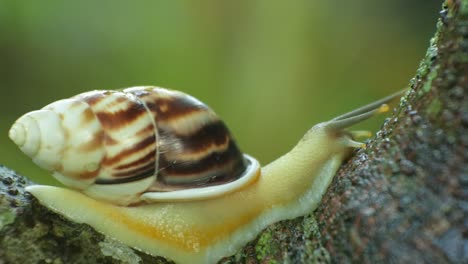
402, 199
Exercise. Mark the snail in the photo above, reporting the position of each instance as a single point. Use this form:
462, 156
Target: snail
157, 170
141, 144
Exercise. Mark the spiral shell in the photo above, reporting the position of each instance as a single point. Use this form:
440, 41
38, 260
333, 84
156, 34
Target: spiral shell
118, 145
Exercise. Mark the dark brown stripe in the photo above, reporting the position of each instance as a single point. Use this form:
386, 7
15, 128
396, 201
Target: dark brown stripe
93, 98
236, 170
81, 175
113, 120
173, 108
145, 159
143, 175
87, 116
120, 118
127, 152
213, 133
109, 140
136, 172
230, 160
89, 174
96, 142
120, 98
146, 130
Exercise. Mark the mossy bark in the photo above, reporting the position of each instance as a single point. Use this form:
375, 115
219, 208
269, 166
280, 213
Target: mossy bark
403, 199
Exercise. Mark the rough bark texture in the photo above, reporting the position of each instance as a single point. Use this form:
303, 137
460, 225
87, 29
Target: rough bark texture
403, 199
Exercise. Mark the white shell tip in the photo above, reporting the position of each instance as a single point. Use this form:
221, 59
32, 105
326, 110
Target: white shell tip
17, 134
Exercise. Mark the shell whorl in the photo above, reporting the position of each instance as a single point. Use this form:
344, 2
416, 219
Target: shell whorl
194, 146
142, 138
126, 135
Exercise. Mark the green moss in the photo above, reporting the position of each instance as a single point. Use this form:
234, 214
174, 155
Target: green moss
266, 246
310, 226
118, 251
15, 246
433, 109
431, 52
430, 77
6, 217
320, 255
425, 67
315, 252
463, 8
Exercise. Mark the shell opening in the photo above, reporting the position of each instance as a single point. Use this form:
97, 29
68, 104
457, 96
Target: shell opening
251, 173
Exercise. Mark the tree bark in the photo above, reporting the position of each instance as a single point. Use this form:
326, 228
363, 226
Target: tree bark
402, 199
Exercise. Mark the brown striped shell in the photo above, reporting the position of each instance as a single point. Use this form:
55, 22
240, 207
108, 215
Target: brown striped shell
142, 143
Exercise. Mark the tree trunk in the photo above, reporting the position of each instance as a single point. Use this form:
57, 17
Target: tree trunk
403, 199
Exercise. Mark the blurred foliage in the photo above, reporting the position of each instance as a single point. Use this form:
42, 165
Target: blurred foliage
271, 69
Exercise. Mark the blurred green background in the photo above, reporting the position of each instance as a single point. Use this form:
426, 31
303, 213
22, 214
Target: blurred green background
271, 69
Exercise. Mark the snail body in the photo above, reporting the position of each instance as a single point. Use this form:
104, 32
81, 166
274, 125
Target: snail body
196, 227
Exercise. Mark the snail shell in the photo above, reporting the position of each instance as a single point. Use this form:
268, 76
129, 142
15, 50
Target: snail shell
141, 143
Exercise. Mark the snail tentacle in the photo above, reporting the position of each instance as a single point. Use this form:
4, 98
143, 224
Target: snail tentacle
360, 134
340, 124
371, 106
